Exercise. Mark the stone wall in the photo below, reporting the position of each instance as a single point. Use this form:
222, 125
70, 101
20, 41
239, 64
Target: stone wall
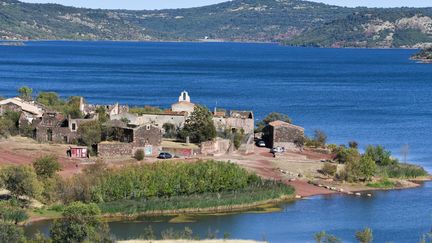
283, 136
222, 123
114, 149
147, 135
215, 147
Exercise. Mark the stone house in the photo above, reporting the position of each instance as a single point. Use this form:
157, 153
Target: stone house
128, 139
29, 110
283, 134
54, 127
239, 120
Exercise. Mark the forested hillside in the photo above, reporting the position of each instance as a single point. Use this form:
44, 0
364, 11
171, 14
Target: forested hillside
293, 22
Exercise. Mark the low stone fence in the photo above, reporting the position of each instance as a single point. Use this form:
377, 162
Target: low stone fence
115, 149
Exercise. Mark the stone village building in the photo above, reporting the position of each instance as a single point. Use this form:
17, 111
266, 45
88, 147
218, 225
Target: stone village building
181, 110
30, 110
125, 140
282, 134
54, 127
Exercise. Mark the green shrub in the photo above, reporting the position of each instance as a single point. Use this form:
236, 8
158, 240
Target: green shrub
383, 183
139, 154
329, 169
46, 166
402, 170
381, 156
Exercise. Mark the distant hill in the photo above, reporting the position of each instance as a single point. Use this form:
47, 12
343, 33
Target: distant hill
292, 22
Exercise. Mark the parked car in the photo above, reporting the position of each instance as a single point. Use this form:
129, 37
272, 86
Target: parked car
278, 149
261, 143
165, 155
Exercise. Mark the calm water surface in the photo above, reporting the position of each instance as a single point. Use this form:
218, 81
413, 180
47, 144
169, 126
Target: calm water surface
372, 96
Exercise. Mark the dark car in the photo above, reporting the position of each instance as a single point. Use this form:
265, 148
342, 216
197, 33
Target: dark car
260, 143
165, 155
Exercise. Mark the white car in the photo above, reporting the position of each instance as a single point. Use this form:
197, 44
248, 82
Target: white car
278, 149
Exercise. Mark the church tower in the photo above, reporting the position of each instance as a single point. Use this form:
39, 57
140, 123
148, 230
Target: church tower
184, 104
184, 97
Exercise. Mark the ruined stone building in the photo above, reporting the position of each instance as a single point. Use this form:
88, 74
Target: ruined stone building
126, 139
29, 110
54, 127
239, 120
283, 134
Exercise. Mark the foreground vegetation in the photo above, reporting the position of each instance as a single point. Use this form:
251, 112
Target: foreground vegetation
80, 201
212, 202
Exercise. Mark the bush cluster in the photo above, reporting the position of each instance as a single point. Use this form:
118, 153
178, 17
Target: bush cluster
170, 179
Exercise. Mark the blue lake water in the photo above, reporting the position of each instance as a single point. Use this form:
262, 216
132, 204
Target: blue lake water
369, 95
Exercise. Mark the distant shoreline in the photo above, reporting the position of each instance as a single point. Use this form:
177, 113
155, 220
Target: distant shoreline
208, 41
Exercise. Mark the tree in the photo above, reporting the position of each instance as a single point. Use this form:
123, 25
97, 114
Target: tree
320, 137
80, 223
199, 127
25, 93
21, 181
11, 212
274, 116
364, 236
319, 237
49, 99
102, 114
72, 107
90, 133
381, 156
344, 155
9, 123
46, 166
11, 233
323, 237
169, 130
362, 169
353, 144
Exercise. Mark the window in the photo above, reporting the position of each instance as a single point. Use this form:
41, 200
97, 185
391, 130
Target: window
73, 126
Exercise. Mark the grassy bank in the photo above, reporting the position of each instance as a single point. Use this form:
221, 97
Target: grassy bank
208, 202
383, 183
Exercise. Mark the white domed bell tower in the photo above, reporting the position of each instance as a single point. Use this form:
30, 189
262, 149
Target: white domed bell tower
183, 104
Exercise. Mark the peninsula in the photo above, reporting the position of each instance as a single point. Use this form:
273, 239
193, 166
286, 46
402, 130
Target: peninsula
425, 55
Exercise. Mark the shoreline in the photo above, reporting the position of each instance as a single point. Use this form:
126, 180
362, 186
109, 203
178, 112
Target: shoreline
238, 208
209, 41
234, 209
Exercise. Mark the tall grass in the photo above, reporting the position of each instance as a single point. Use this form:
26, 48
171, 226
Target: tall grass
249, 195
403, 171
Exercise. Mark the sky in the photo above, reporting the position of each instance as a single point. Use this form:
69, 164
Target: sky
162, 4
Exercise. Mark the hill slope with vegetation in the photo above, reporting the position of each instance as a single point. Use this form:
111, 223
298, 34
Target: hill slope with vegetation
293, 22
